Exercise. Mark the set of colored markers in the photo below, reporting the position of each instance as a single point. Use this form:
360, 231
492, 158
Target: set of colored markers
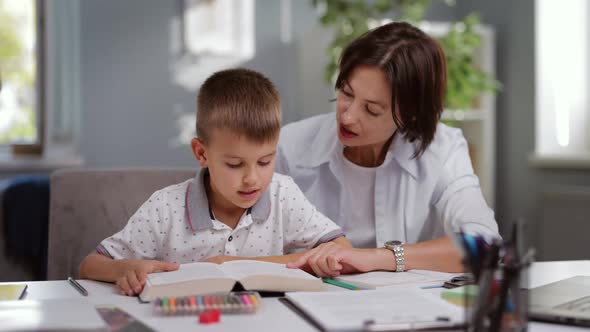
231, 303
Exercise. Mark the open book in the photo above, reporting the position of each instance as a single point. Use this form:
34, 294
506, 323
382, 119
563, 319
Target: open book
204, 278
382, 279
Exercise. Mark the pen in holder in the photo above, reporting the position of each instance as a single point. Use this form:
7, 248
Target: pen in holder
497, 268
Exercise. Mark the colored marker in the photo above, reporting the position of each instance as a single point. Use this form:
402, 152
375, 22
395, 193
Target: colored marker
339, 284
201, 303
253, 299
246, 300
192, 304
172, 305
165, 305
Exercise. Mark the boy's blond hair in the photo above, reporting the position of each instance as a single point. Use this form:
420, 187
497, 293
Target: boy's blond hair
241, 100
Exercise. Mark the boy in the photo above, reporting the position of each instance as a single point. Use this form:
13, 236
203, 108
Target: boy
235, 207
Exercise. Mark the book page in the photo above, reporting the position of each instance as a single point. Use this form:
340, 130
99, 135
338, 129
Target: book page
350, 310
245, 268
186, 272
378, 279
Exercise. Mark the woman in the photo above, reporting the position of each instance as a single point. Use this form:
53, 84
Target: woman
395, 179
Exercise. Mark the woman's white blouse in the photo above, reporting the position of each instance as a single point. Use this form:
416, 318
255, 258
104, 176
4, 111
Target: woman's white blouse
416, 199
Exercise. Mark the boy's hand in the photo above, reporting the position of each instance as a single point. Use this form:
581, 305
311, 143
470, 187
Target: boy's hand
135, 273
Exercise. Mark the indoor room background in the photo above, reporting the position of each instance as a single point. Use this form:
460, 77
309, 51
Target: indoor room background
134, 99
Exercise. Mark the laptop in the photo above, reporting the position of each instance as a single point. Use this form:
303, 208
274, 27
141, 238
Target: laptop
566, 302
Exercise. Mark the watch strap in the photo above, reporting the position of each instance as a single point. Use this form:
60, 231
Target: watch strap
400, 261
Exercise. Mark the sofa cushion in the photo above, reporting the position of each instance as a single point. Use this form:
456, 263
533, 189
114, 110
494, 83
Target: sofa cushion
25, 216
88, 205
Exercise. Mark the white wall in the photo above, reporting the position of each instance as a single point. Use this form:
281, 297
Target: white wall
129, 101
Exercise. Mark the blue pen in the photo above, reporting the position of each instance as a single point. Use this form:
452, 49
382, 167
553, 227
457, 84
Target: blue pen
471, 245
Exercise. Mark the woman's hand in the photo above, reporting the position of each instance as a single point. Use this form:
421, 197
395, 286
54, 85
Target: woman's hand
331, 261
134, 274
355, 260
316, 260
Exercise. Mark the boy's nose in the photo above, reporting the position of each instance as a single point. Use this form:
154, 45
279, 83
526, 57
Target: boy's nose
251, 177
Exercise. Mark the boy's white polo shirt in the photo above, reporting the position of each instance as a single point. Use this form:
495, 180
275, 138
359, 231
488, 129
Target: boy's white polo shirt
175, 224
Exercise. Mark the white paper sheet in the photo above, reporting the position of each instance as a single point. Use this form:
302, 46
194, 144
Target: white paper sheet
350, 310
54, 314
379, 279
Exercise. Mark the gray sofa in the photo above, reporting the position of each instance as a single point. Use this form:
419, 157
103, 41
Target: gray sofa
87, 205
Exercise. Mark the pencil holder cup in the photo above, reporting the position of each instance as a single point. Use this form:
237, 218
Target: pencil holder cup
495, 302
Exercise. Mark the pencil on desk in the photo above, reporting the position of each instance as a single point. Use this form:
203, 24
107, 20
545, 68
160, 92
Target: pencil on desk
77, 286
339, 284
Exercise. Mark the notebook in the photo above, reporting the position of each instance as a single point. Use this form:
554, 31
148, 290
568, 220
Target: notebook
205, 278
566, 301
50, 315
387, 309
381, 279
12, 291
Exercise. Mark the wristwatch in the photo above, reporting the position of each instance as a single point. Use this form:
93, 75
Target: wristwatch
398, 251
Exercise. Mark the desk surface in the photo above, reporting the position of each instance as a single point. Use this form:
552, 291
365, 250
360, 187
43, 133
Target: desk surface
273, 315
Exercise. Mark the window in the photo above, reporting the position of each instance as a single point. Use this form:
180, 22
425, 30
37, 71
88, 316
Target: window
212, 35
20, 53
562, 79
218, 27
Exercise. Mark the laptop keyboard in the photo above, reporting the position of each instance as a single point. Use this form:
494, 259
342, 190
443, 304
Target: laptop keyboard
579, 305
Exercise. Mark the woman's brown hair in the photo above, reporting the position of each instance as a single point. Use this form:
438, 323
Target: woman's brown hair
414, 64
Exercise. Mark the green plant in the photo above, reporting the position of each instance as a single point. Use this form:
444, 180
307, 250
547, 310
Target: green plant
351, 18
16, 75
11, 48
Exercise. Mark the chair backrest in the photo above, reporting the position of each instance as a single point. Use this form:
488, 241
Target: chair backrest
88, 205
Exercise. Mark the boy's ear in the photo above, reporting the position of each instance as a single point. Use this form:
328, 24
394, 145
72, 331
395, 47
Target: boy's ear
199, 151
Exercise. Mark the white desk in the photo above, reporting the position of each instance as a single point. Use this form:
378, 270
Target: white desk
273, 315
